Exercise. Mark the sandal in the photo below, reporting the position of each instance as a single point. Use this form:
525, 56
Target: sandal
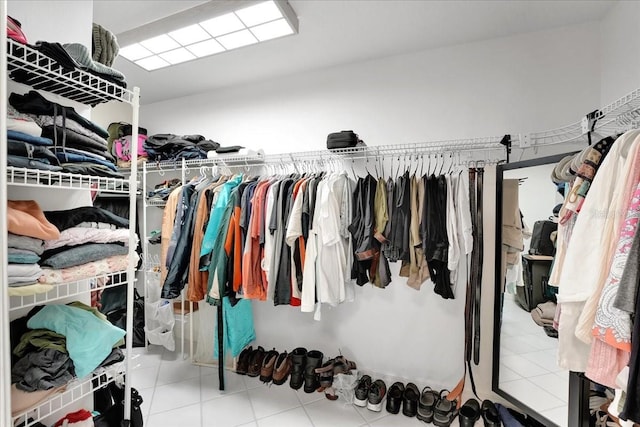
445, 410
342, 366
426, 404
325, 374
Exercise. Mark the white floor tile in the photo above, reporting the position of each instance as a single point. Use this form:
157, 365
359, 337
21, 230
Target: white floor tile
176, 395
185, 416
210, 385
146, 359
398, 420
268, 401
325, 413
504, 351
144, 377
507, 374
228, 411
171, 372
518, 344
296, 417
251, 424
147, 398
542, 341
560, 415
553, 384
253, 382
547, 359
307, 397
522, 366
370, 416
527, 392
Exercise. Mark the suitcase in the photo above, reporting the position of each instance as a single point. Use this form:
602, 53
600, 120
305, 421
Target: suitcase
541, 243
535, 274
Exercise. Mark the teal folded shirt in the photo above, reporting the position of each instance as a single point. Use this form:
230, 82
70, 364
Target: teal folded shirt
89, 339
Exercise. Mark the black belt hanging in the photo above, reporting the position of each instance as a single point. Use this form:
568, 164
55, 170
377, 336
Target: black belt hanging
469, 302
479, 262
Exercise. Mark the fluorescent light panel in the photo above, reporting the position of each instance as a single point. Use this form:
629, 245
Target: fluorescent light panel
205, 48
259, 13
237, 39
177, 56
135, 51
189, 35
260, 22
224, 24
159, 44
152, 63
272, 30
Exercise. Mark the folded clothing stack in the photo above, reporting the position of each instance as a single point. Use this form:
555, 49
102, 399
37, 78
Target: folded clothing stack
49, 248
78, 144
25, 147
55, 343
28, 228
161, 191
70, 57
92, 241
167, 146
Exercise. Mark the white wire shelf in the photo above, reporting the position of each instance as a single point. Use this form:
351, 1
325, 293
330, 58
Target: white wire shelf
29, 66
42, 178
68, 289
156, 203
619, 116
74, 392
458, 146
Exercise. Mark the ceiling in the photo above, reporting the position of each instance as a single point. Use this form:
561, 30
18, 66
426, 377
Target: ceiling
336, 32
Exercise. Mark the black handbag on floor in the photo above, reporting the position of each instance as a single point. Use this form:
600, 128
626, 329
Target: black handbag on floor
343, 139
109, 402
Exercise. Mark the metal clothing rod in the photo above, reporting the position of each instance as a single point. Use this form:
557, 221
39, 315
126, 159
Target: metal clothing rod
488, 144
619, 116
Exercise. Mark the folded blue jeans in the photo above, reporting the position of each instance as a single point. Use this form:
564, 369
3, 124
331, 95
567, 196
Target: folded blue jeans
35, 140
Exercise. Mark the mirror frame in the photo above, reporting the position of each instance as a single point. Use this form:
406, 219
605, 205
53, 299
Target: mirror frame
576, 385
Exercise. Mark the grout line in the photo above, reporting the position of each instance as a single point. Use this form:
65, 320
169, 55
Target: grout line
253, 411
305, 410
201, 412
176, 408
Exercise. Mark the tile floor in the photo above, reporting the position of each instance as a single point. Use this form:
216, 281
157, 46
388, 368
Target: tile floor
528, 367
179, 394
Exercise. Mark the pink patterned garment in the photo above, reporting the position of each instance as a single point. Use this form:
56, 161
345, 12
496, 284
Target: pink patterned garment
612, 325
85, 271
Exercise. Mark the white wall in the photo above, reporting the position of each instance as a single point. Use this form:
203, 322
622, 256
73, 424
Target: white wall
620, 50
517, 84
50, 21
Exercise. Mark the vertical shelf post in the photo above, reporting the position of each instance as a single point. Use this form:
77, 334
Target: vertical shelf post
5, 342
131, 271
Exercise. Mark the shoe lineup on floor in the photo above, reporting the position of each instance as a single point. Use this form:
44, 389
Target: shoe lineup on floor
307, 370
428, 406
304, 369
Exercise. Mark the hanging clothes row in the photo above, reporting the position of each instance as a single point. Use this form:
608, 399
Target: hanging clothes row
305, 239
596, 266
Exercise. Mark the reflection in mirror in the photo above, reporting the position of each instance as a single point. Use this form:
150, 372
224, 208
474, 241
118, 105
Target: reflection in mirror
527, 370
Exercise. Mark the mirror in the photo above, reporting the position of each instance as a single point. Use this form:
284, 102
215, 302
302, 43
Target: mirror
525, 343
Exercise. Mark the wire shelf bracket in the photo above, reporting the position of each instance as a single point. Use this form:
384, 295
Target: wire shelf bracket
74, 392
67, 289
29, 66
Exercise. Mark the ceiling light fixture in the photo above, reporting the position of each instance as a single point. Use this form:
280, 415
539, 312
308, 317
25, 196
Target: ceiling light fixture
208, 29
